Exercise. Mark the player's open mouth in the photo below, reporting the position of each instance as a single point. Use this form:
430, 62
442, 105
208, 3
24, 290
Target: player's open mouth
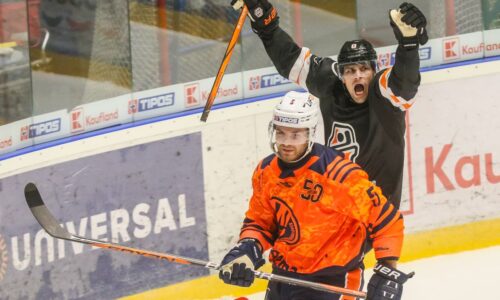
359, 89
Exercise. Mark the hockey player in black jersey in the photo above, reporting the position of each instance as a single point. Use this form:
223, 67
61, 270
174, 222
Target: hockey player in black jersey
363, 109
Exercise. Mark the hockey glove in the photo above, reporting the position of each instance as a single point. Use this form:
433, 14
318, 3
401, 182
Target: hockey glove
263, 15
238, 265
408, 24
386, 283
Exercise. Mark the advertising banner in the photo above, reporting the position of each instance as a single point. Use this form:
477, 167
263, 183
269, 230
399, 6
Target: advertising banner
41, 128
182, 97
492, 42
463, 47
149, 196
10, 137
265, 81
155, 102
387, 55
455, 153
196, 93
100, 114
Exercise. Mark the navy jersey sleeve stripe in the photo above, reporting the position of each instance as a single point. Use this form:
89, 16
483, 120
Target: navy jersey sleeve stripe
349, 164
386, 207
250, 223
349, 172
334, 167
386, 221
262, 233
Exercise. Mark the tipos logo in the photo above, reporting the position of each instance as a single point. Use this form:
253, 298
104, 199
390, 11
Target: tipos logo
4, 258
288, 226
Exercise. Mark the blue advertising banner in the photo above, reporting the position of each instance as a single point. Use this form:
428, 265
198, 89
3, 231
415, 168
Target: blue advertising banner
148, 196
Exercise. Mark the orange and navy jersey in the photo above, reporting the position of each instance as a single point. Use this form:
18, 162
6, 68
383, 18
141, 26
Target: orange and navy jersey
317, 214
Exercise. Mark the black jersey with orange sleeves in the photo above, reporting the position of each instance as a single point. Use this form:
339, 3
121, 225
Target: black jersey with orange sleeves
371, 134
317, 214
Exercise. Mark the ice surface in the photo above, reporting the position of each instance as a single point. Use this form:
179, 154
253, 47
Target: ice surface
460, 276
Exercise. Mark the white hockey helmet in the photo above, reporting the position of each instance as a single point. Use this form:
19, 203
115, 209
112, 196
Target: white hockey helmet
296, 110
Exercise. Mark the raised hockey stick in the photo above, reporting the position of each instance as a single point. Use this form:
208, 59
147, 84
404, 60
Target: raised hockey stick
53, 228
224, 63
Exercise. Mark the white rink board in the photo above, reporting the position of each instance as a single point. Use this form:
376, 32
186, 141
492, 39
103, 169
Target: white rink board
454, 187
235, 139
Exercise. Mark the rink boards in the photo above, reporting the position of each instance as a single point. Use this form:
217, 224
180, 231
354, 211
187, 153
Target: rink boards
181, 186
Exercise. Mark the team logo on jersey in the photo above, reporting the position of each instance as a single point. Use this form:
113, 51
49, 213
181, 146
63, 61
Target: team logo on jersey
4, 258
343, 138
288, 226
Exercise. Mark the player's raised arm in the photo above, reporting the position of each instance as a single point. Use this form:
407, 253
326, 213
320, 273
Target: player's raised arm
400, 83
298, 64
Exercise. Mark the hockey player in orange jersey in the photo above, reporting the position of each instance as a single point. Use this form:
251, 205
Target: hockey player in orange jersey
314, 210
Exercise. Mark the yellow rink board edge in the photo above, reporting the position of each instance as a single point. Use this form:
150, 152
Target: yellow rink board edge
446, 240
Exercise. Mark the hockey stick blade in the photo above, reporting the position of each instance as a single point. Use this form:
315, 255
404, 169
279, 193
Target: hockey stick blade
50, 224
42, 214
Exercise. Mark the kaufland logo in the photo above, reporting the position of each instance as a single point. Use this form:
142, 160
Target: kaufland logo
77, 120
221, 93
480, 48
192, 95
156, 102
468, 171
40, 129
451, 48
102, 117
266, 81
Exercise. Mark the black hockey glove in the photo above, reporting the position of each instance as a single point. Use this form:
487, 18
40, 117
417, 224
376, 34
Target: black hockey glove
386, 283
263, 15
238, 265
409, 24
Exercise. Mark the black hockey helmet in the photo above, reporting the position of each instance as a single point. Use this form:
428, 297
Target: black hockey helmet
356, 51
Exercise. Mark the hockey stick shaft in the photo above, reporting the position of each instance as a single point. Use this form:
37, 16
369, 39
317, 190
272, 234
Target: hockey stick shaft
224, 63
50, 224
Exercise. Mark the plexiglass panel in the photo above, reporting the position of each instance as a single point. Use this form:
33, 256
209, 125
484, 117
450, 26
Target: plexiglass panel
74, 66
